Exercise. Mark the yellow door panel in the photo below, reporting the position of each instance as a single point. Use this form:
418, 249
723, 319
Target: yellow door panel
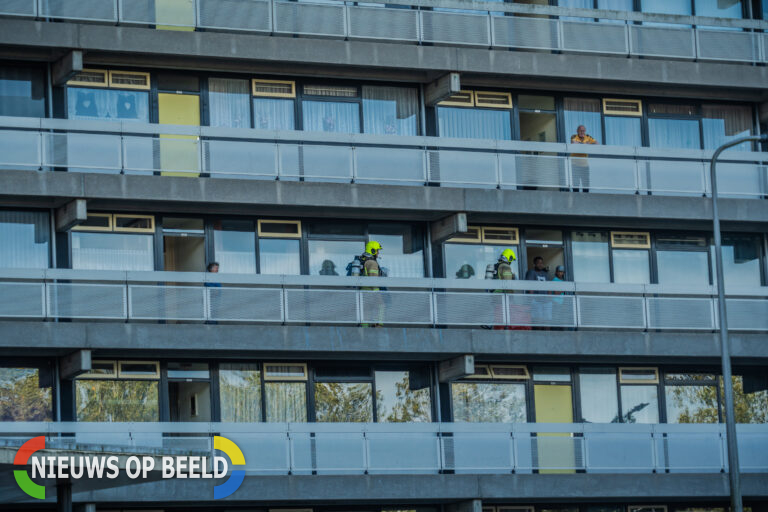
554, 405
171, 13
179, 153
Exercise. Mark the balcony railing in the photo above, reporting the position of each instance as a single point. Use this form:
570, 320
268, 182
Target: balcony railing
428, 448
495, 26
299, 300
131, 148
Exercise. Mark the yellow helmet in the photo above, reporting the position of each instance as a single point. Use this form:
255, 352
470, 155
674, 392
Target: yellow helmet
508, 255
373, 247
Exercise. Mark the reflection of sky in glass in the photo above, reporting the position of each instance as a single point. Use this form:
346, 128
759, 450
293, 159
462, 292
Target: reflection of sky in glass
278, 256
745, 272
639, 404
590, 262
599, 400
630, 266
235, 251
338, 253
683, 267
477, 257
389, 407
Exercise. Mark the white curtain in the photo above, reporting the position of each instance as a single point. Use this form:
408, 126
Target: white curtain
470, 123
100, 104
112, 251
24, 238
390, 110
582, 111
722, 123
229, 103
240, 390
286, 402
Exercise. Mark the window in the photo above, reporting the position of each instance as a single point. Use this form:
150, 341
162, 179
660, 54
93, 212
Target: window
228, 103
331, 257
631, 257
722, 123
240, 392
390, 110
279, 247
639, 395
121, 391
623, 122
682, 7
538, 119
741, 261
460, 117
107, 241
599, 395
691, 398
590, 257
465, 261
728, 9
396, 402
273, 104
347, 402
234, 244
673, 126
682, 260
749, 407
286, 392
116, 95
22, 92
488, 402
332, 113
402, 249
25, 392
25, 237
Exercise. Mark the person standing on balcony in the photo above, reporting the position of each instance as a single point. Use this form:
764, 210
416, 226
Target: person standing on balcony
579, 162
371, 268
503, 271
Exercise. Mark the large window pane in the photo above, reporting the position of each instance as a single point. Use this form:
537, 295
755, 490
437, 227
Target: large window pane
639, 404
331, 257
719, 9
25, 394
691, 404
741, 261
396, 403
102, 251
667, 6
583, 111
273, 114
685, 268
616, 5
22, 92
465, 261
722, 123
590, 257
84, 103
229, 103
535, 127
469, 123
402, 250
240, 392
24, 238
117, 400
286, 402
631, 266
489, 402
390, 110
331, 116
343, 402
749, 407
599, 396
674, 133
234, 245
278, 256
623, 131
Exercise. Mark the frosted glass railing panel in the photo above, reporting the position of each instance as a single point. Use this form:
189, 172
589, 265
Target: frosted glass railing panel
466, 168
394, 166
240, 159
20, 149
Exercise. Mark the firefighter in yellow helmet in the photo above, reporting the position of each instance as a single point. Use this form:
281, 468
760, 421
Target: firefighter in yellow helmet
371, 268
504, 266
370, 265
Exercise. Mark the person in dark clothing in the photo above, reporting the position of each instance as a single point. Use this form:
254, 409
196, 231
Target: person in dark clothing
541, 308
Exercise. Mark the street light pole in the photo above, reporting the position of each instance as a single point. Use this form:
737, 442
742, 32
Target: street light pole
734, 475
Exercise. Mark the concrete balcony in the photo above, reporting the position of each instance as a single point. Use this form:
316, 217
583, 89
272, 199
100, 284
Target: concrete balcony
454, 23
135, 149
188, 297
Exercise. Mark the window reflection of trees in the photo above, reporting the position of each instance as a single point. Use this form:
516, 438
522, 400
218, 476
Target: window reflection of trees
489, 402
22, 398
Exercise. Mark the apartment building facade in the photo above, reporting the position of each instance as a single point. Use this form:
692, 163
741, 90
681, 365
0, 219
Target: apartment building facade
140, 142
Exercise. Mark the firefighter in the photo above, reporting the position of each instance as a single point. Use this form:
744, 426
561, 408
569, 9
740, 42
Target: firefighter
371, 268
504, 267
